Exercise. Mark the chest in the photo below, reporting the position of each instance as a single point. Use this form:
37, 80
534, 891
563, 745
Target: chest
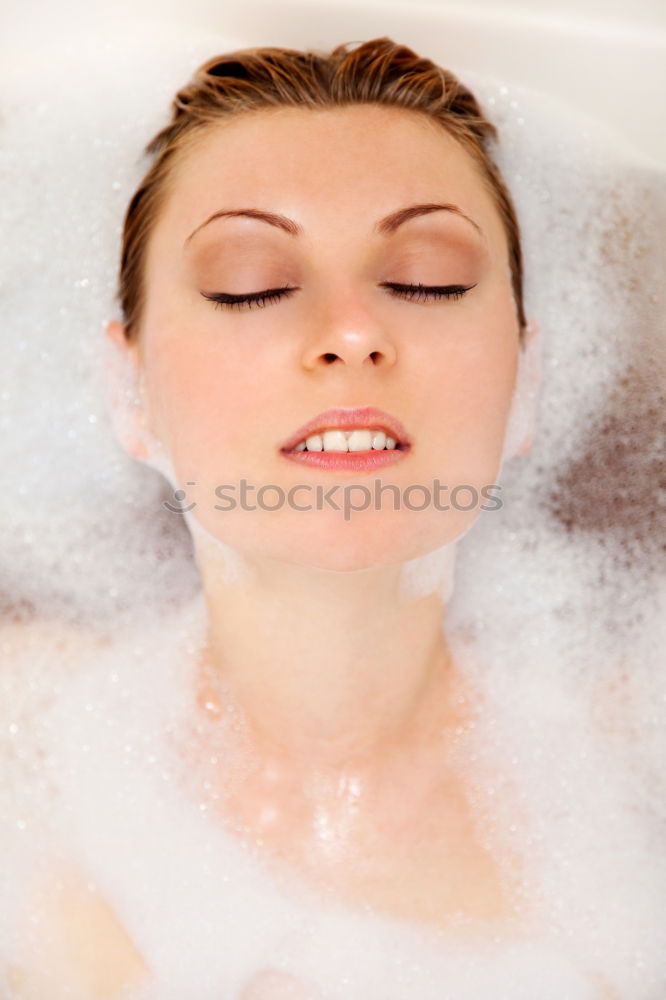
414, 851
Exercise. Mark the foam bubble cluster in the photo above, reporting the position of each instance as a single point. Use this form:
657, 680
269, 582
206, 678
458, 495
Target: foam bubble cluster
557, 612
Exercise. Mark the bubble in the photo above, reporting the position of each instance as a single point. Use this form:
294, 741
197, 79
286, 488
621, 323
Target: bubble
556, 601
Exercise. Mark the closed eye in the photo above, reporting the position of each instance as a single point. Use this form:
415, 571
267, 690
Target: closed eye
414, 293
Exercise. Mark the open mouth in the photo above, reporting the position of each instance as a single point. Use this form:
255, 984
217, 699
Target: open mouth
358, 458
355, 441
352, 431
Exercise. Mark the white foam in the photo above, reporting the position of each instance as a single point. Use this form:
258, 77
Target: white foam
557, 612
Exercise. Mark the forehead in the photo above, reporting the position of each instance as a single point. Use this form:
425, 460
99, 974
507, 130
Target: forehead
338, 169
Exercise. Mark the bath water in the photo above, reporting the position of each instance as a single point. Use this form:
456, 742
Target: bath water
557, 613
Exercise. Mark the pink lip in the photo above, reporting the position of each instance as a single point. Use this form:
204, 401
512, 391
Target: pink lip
347, 420
356, 461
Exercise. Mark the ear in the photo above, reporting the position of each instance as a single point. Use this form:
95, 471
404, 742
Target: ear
115, 331
126, 394
521, 425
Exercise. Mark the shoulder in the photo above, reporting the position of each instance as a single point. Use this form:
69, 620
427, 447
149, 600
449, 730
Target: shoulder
81, 950
69, 940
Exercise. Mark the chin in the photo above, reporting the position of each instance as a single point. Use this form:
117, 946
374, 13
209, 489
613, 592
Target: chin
354, 550
326, 541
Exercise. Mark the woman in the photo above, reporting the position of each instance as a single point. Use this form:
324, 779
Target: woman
321, 287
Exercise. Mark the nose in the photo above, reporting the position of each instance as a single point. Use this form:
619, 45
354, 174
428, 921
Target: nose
351, 337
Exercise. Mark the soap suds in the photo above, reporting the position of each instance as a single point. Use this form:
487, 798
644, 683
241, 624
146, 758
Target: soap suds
557, 611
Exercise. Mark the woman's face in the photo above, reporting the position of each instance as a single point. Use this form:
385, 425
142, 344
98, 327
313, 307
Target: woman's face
227, 388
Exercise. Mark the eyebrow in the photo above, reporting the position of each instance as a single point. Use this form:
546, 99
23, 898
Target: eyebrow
385, 227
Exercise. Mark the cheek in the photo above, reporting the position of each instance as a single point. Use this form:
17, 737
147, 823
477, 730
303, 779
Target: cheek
470, 388
208, 400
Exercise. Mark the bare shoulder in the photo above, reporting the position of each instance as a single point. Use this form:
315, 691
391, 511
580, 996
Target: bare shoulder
70, 941
81, 949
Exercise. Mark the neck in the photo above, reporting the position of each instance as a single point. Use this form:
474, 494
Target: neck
326, 667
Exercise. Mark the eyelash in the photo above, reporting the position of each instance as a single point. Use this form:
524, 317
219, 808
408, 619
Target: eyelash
224, 300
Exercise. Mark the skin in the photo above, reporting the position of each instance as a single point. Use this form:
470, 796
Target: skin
339, 674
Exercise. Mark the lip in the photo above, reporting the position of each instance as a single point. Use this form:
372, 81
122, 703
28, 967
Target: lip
348, 419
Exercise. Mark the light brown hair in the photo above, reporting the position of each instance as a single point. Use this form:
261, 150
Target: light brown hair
375, 72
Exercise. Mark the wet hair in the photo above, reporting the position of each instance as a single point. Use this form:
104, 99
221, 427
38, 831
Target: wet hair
376, 72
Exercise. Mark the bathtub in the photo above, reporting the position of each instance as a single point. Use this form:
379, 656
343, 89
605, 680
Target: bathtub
607, 60
600, 62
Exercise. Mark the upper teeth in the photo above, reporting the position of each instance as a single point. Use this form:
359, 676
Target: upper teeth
355, 440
